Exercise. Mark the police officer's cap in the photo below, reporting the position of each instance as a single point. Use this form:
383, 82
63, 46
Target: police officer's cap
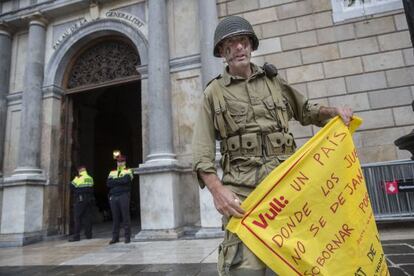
233, 26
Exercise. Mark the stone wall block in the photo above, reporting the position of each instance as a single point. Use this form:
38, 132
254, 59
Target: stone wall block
375, 26
403, 115
374, 119
383, 61
343, 67
390, 97
282, 73
221, 10
268, 3
300, 40
267, 46
277, 28
299, 131
294, 9
381, 153
379, 137
261, 16
400, 77
394, 41
285, 59
337, 33
305, 23
305, 73
358, 102
409, 56
312, 21
258, 60
321, 5
367, 81
240, 6
358, 47
320, 53
326, 88
258, 31
400, 21
301, 87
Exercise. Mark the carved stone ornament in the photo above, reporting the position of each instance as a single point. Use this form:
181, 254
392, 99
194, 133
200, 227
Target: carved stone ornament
106, 61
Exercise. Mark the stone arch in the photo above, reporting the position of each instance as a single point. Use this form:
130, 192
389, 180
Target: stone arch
56, 67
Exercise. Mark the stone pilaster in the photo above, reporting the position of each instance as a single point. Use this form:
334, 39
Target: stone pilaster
161, 216
23, 192
211, 66
5, 60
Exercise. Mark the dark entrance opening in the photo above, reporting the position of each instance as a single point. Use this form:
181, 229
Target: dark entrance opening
106, 119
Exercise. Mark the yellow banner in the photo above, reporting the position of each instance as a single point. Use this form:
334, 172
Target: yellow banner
312, 214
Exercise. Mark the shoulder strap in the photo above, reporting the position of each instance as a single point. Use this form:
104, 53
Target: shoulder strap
221, 113
275, 91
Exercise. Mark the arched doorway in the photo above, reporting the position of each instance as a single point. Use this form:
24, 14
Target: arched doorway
101, 111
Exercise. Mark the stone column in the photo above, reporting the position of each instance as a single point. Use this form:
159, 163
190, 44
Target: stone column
23, 192
5, 60
211, 66
28, 162
160, 133
161, 214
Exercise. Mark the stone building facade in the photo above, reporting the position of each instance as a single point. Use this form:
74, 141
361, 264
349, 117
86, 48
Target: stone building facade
80, 78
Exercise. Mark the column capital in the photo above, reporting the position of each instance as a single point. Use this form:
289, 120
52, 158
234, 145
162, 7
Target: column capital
36, 18
5, 28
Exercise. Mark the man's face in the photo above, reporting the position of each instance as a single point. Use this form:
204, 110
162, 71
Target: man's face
236, 50
120, 163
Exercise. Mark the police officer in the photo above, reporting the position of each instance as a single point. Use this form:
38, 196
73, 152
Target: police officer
119, 184
82, 188
247, 109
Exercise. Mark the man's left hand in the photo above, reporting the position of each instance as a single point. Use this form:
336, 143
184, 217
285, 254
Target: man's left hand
329, 112
345, 113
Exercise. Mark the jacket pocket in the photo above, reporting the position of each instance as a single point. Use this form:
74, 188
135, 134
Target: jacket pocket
238, 111
274, 143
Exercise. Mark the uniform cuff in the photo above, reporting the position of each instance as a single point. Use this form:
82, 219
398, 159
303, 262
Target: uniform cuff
313, 109
204, 168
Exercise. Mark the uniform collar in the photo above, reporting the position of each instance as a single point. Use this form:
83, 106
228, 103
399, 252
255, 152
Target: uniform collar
228, 78
83, 173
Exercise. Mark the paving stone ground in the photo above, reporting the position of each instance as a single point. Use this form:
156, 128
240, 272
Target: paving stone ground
192, 257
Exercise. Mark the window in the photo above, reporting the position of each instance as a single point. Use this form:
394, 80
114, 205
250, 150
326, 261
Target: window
345, 9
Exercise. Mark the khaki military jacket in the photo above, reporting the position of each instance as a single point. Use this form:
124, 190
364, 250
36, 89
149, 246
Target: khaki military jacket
254, 150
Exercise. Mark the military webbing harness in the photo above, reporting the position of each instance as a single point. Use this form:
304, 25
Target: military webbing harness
222, 114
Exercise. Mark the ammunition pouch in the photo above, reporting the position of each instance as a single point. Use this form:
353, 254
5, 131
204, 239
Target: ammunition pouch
257, 145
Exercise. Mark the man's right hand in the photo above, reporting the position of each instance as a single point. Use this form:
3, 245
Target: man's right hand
225, 201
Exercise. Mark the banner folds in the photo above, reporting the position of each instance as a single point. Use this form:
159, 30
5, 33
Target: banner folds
312, 214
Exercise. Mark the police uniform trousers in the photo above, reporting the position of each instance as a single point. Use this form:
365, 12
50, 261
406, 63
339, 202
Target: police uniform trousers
120, 212
83, 214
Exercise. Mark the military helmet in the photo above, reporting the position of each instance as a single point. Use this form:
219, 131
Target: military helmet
233, 26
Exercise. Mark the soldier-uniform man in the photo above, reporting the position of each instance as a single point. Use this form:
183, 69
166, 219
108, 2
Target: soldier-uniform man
119, 184
82, 188
247, 109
